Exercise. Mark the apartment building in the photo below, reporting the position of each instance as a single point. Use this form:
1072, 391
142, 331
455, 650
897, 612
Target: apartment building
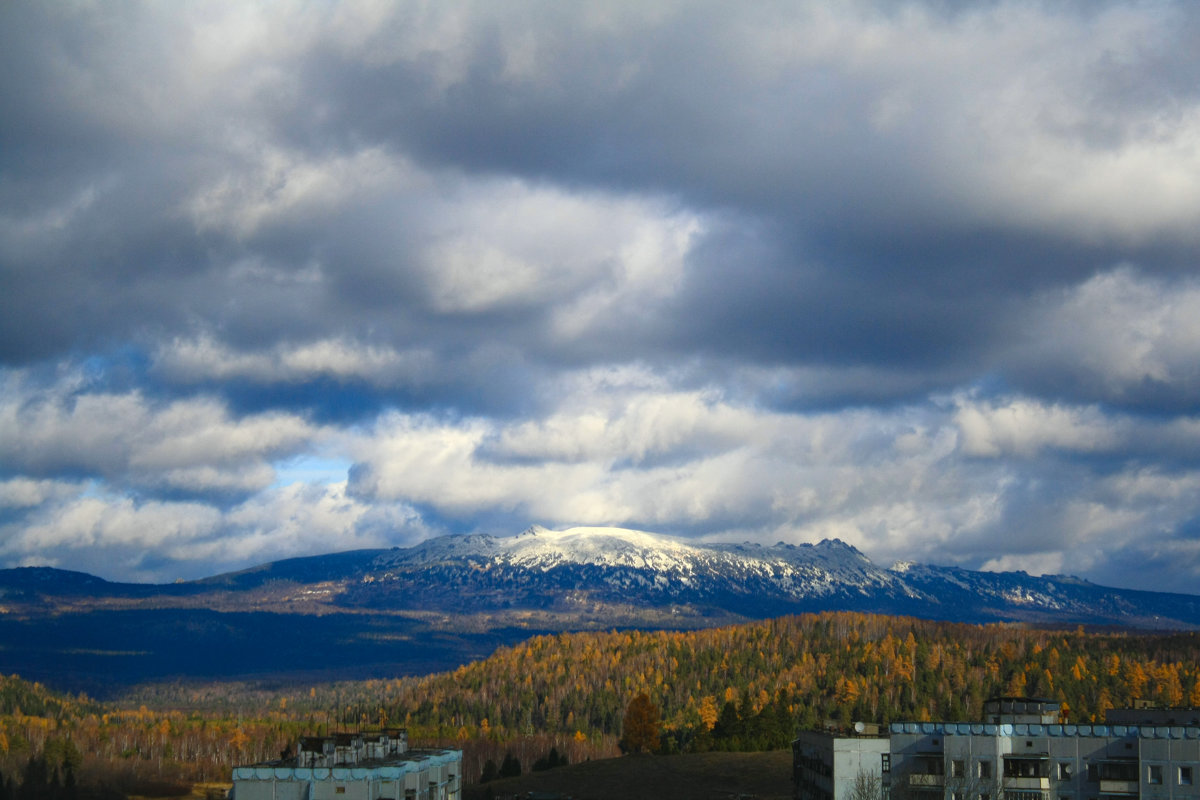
827, 765
1025, 750
354, 766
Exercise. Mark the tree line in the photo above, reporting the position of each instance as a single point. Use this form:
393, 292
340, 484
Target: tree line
747, 686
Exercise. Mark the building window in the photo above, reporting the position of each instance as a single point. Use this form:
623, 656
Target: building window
1025, 768
1065, 771
985, 796
985, 769
1123, 770
1154, 775
957, 769
957, 796
1185, 776
886, 765
339, 790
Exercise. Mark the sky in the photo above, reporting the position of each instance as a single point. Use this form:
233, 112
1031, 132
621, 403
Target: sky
279, 279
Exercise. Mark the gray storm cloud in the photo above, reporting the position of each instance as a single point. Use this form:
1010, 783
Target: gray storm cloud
919, 276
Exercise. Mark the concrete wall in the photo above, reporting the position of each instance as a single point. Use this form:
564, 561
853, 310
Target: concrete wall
854, 756
1178, 761
827, 765
1165, 763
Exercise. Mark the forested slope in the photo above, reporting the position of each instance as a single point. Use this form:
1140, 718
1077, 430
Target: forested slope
795, 671
740, 687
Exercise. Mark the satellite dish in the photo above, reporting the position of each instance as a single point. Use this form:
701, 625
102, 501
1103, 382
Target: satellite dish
859, 727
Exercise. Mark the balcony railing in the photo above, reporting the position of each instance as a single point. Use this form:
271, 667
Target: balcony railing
1118, 787
1027, 784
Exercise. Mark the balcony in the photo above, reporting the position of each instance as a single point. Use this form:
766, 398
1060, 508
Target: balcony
1027, 772
920, 779
1118, 787
1116, 776
1027, 784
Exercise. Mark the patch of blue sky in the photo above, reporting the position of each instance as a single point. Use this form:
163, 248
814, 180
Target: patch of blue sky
310, 469
93, 488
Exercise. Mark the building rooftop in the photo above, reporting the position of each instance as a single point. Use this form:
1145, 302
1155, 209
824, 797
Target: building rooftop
1037, 729
1039, 716
1147, 714
392, 767
377, 754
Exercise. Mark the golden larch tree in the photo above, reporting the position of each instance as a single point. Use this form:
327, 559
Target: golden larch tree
640, 731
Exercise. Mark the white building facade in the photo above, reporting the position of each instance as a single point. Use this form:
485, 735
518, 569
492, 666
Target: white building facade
1023, 750
354, 767
826, 766
1025, 753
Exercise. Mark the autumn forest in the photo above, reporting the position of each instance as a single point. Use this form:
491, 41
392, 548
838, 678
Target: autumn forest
745, 687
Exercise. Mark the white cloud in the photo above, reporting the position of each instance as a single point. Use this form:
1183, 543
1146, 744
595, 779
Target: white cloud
264, 184
637, 427
1151, 486
508, 243
100, 522
303, 519
473, 244
1025, 427
27, 492
687, 461
421, 460
1121, 333
965, 482
192, 444
120, 538
205, 359
1075, 535
1032, 563
1035, 141
1037, 117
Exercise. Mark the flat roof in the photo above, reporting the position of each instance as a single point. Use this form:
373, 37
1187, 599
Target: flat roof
387, 769
1035, 729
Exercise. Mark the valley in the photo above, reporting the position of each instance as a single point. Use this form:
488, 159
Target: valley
728, 689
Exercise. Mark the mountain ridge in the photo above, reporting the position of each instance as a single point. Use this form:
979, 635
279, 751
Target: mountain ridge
543, 569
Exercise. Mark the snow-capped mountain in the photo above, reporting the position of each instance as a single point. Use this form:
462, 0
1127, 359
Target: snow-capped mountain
587, 577
606, 568
804, 570
598, 567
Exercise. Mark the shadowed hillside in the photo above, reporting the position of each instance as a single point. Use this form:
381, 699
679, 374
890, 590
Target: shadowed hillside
692, 776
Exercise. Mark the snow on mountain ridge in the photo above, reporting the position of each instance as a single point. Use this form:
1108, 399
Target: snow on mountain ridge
611, 547
596, 571
795, 570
